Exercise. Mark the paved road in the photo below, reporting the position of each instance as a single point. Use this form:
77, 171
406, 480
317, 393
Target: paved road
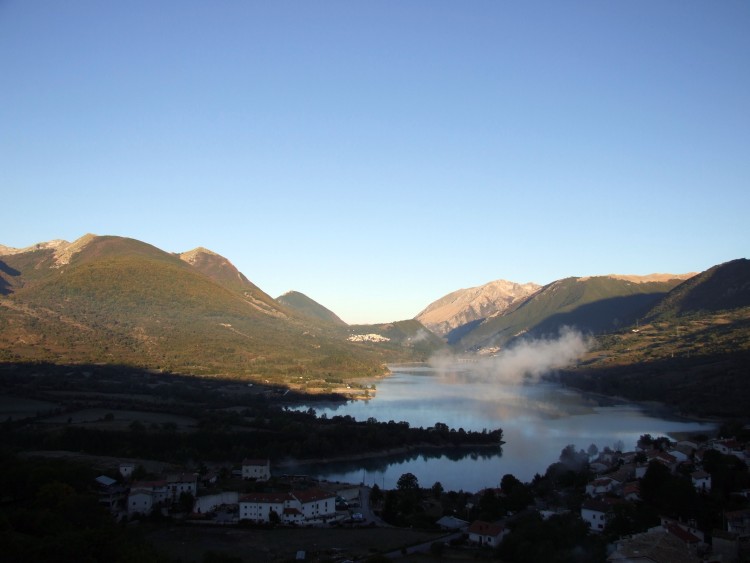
366, 510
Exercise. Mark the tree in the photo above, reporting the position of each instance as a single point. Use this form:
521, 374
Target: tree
645, 441
437, 490
490, 507
573, 460
509, 483
274, 518
517, 494
407, 482
186, 502
390, 507
654, 481
592, 451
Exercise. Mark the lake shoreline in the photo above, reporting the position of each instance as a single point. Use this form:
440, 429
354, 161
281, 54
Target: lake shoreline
390, 452
538, 422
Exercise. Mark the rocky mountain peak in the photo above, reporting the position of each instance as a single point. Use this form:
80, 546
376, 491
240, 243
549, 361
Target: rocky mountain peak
191, 256
467, 305
63, 250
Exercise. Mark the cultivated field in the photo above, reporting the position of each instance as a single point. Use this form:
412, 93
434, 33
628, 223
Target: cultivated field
18, 408
282, 544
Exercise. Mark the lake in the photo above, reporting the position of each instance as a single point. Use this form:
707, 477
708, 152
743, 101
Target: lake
538, 420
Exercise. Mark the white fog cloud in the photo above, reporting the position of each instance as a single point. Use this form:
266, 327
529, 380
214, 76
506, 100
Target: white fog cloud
528, 359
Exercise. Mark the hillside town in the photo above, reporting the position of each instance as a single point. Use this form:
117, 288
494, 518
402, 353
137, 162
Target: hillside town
616, 496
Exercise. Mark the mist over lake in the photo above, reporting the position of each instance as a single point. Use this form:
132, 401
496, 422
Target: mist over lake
538, 420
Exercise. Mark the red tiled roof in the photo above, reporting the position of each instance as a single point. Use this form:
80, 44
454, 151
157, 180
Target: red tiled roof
266, 497
738, 515
182, 478
148, 484
601, 504
682, 534
632, 487
311, 495
486, 528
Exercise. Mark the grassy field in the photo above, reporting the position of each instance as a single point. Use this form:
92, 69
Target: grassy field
698, 364
110, 419
261, 546
18, 408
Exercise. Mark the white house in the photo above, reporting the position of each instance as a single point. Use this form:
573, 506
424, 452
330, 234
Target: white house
256, 469
111, 494
145, 495
668, 460
208, 503
681, 452
486, 533
701, 481
315, 503
452, 523
738, 522
140, 501
728, 447
596, 513
295, 506
599, 486
632, 491
126, 469
258, 507
179, 483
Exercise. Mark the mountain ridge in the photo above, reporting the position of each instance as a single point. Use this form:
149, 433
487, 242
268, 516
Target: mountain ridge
122, 300
306, 306
466, 305
723, 286
592, 304
84, 283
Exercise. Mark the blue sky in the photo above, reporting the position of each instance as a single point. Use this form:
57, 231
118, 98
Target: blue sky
379, 155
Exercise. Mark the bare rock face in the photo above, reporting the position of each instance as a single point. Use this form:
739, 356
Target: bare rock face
63, 250
467, 305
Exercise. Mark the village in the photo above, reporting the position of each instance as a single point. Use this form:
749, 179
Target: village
616, 486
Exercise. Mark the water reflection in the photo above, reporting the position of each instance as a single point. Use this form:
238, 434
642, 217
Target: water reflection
379, 465
538, 421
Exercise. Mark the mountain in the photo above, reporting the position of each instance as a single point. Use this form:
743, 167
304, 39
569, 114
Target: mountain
692, 350
409, 334
723, 287
118, 300
591, 304
473, 304
305, 306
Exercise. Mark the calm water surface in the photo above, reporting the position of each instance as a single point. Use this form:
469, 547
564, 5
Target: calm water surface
538, 421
